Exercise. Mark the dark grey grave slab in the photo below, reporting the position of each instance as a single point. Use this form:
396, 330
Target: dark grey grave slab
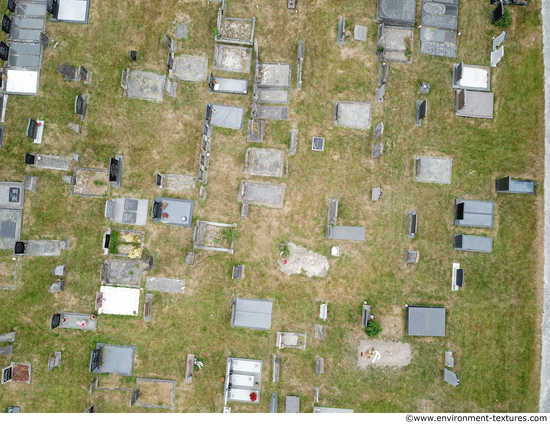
450, 377
272, 112
189, 68
272, 95
272, 75
293, 142
292, 405
438, 42
379, 94
509, 185
383, 70
238, 272
341, 32
24, 34
426, 321
57, 163
232, 58
161, 404
424, 88
54, 361
168, 285
440, 14
148, 307
352, 115
251, 313
11, 5
116, 359
473, 243
72, 11
59, 270
6, 350
499, 40
57, 287
273, 404
73, 321
432, 169
4, 51
182, 30
133, 55
255, 131
24, 22
30, 9
347, 233
366, 316
124, 272
474, 213
7, 337
474, 104
25, 61
318, 144
396, 12
261, 193
10, 228
227, 85
26, 49
496, 56
134, 397
413, 223
377, 150
173, 211
225, 116
421, 111
264, 162
360, 33
318, 332
146, 86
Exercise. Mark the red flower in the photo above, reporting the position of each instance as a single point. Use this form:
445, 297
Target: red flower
253, 397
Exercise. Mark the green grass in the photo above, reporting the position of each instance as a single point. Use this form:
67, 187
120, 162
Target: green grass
493, 323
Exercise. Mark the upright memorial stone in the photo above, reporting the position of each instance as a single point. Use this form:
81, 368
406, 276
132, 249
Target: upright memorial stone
4, 51
44, 40
7, 374
11, 5
52, 6
134, 397
69, 72
496, 14
170, 61
499, 40
6, 24
133, 55
341, 31
75, 127
95, 359
421, 111
85, 74
171, 44
32, 129
378, 131
80, 106
55, 321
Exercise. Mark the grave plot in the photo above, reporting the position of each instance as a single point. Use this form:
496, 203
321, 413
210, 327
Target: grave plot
70, 11
339, 232
125, 243
167, 285
119, 301
225, 116
271, 95
121, 272
262, 193
291, 340
73, 320
510, 185
232, 58
108, 383
270, 112
174, 182
127, 211
474, 104
299, 259
8, 275
214, 236
396, 12
243, 380
432, 169
352, 115
472, 243
426, 321
439, 23
251, 313
12, 197
272, 75
255, 131
112, 359
234, 30
189, 68
264, 162
173, 211
154, 393
143, 85
227, 85
17, 372
90, 182
378, 353
471, 77
395, 44
57, 163
40, 247
25, 55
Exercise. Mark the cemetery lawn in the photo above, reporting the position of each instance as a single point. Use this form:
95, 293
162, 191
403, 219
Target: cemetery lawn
493, 323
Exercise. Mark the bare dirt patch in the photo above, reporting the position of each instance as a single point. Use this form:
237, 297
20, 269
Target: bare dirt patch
313, 264
92, 183
381, 353
155, 393
392, 325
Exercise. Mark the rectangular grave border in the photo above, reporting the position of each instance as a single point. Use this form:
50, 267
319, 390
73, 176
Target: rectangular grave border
108, 233
90, 195
156, 380
219, 39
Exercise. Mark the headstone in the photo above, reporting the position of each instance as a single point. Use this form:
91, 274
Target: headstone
202, 192
360, 33
44, 40
93, 385
318, 332
133, 55
147, 307
6, 350
170, 61
379, 94
134, 397
319, 366
335, 251
32, 129
449, 360
412, 257
171, 44
96, 359
376, 193
14, 409
378, 131
52, 6
332, 211
457, 73
383, 70
68, 71
496, 14
11, 5
59, 270
291, 4
255, 130
244, 211
499, 40
7, 374
318, 144
80, 106
30, 183
1, 129
301, 52
413, 223
85, 74
6, 24
323, 312
4, 51
421, 111
182, 30
68, 179
273, 405
365, 317
496, 56
76, 157
276, 368
316, 391
341, 31
7, 337
75, 127
190, 364
124, 80
54, 361
90, 410
57, 287
424, 88
190, 258
170, 87
147, 264
238, 272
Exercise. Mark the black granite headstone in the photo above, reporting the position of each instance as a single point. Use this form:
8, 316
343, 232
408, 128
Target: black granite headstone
83, 73
90, 410
133, 55
157, 211
11, 5
113, 169
56, 320
4, 51
32, 129
457, 241
159, 180
30, 159
170, 61
7, 374
67, 70
44, 40
95, 359
14, 193
6, 24
52, 6
107, 241
134, 397
422, 110
457, 75
80, 105
495, 14
459, 277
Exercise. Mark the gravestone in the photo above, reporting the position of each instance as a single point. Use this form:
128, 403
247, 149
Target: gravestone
274, 404
14, 409
238, 272
32, 129
7, 337
6, 350
499, 40
44, 40
291, 4
244, 211
190, 258
68, 179
376, 193
133, 55
319, 366
75, 127
80, 106
496, 56
11, 5
147, 264
7, 374
424, 88
318, 144
457, 73
316, 391
335, 251
115, 170
323, 312
421, 111
332, 211
189, 367
293, 142
413, 224
170, 87
59, 270
134, 398
96, 359
255, 131
124, 81
360, 33
6, 24
496, 14
449, 360
182, 30
170, 61
85, 74
30, 183
318, 332
301, 51
57, 287
68, 71
379, 94
378, 131
147, 307
412, 257
276, 368
90, 410
55, 321
54, 361
171, 44
383, 70
94, 384
341, 31
4, 51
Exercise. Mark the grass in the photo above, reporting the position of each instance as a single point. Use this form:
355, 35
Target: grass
493, 324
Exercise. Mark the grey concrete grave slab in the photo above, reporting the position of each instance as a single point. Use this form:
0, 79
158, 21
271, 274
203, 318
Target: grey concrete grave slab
25, 22
57, 287
440, 14
273, 404
116, 359
509, 185
438, 42
332, 211
474, 104
360, 33
379, 94
7, 337
189, 68
251, 313
232, 58
255, 131
396, 12
383, 69
429, 169
426, 321
238, 272
169, 383
26, 49
293, 142
30, 183
73, 320
264, 162
353, 115
125, 272
276, 368
57, 163
173, 211
189, 367
450, 377
292, 405
301, 52
497, 41
146, 86
147, 307
31, 9
496, 56
318, 332
347, 233
272, 75
449, 360
10, 228
22, 34
182, 30
59, 270
168, 285
272, 95
44, 247
72, 11
225, 116
6, 350
12, 195
242, 378
471, 77
272, 112
175, 182
412, 257
54, 361
325, 410
127, 211
473, 243
22, 81
261, 193
378, 131
291, 340
319, 366
227, 85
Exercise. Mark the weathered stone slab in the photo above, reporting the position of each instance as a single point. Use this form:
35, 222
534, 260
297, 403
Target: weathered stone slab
145, 85
54, 361
6, 350
75, 127
341, 32
264, 162
59, 270
383, 70
272, 75
293, 142
332, 211
57, 287
190, 258
30, 183
232, 58
449, 359
499, 40
379, 94
352, 115
319, 366
189, 68
292, 405
424, 88
276, 368
7, 337
182, 30
261, 193
318, 332
168, 285
432, 169
360, 33
42, 247
58, 163
378, 131
272, 112
147, 307
496, 56
272, 95
255, 131
122, 272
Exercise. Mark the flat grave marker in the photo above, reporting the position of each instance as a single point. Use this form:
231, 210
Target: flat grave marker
189, 68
